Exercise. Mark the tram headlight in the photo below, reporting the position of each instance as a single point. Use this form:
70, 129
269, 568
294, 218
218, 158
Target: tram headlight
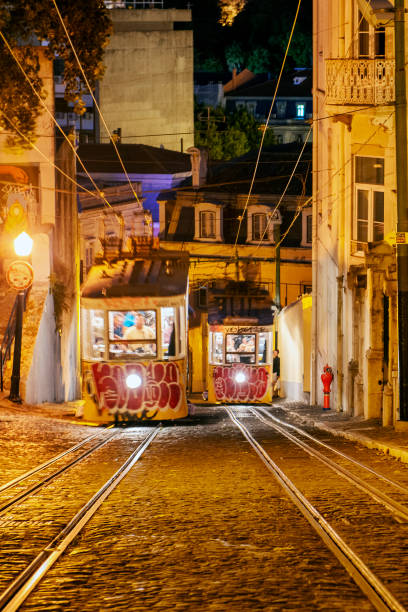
133, 381
240, 377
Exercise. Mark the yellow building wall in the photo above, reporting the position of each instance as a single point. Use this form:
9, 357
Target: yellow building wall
293, 327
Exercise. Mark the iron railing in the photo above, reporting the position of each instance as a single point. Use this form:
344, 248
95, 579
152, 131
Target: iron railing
360, 81
134, 4
8, 339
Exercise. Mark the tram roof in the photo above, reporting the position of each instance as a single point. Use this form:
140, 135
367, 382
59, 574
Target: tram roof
159, 273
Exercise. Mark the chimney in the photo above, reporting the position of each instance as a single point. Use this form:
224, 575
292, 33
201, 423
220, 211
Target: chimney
198, 160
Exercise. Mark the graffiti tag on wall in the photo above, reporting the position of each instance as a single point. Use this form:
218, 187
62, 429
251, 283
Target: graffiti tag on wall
252, 385
160, 388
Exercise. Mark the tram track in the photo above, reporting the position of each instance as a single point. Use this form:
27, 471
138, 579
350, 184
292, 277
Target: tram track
21, 587
372, 586
10, 502
394, 506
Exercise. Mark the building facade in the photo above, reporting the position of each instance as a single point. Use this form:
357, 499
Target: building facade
146, 94
231, 236
354, 328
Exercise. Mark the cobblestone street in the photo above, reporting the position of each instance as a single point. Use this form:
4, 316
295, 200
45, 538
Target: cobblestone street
198, 522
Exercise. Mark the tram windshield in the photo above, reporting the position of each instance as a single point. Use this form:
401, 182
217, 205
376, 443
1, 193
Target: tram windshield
135, 325
251, 348
134, 334
240, 348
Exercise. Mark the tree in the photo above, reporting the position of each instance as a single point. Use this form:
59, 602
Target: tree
258, 60
228, 135
89, 27
234, 56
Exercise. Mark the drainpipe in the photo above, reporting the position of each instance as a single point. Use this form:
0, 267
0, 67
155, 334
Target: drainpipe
340, 278
402, 198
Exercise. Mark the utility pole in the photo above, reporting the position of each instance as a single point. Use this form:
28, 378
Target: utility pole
277, 237
402, 203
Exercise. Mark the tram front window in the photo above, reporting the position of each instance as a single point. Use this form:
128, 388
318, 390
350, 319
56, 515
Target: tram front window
127, 329
217, 347
93, 325
168, 331
262, 348
240, 348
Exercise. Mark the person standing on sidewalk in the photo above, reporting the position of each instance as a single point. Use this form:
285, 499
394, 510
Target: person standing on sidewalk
275, 373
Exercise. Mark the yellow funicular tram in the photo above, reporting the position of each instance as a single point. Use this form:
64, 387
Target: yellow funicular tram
134, 332
240, 318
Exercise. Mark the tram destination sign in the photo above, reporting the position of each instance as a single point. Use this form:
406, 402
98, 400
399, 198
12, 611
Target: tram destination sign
20, 275
235, 329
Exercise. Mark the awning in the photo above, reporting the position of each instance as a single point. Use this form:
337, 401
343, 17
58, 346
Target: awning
377, 12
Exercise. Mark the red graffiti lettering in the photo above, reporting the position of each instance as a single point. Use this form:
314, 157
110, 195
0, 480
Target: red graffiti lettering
159, 389
240, 383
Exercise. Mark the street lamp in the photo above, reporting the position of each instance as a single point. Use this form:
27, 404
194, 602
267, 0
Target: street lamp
20, 277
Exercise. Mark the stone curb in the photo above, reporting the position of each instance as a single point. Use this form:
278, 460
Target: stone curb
385, 447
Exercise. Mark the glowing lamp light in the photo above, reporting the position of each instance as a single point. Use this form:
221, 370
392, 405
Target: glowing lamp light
23, 244
240, 377
133, 381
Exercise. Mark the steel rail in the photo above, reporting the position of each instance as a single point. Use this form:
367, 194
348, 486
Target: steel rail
368, 582
42, 466
334, 450
391, 504
17, 498
18, 591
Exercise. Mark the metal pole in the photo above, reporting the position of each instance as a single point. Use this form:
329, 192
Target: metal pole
277, 237
402, 200
15, 376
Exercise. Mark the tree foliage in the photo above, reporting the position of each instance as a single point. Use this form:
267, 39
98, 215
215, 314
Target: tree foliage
228, 135
259, 25
27, 24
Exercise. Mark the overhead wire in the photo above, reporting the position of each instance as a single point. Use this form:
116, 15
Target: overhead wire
47, 110
94, 101
267, 120
300, 154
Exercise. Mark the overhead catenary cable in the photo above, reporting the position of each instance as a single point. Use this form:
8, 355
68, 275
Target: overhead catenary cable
267, 121
94, 101
47, 110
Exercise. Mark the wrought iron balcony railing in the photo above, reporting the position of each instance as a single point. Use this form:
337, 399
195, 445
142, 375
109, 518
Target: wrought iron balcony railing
134, 4
360, 81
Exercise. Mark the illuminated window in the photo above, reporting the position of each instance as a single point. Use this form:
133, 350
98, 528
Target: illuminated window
216, 347
240, 348
93, 334
128, 332
369, 199
300, 111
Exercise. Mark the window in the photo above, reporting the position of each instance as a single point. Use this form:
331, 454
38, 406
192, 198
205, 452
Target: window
300, 111
217, 347
93, 335
371, 41
307, 227
128, 332
240, 348
369, 199
168, 331
259, 223
263, 347
207, 224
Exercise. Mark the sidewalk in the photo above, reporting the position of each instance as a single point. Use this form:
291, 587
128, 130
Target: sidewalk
369, 433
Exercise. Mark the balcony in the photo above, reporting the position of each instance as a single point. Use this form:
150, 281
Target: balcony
360, 81
134, 4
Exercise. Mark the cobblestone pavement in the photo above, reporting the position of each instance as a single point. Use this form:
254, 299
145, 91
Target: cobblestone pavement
199, 523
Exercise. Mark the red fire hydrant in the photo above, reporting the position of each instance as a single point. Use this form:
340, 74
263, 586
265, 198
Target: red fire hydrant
327, 378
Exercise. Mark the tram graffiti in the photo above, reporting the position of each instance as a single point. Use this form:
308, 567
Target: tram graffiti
160, 388
239, 383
